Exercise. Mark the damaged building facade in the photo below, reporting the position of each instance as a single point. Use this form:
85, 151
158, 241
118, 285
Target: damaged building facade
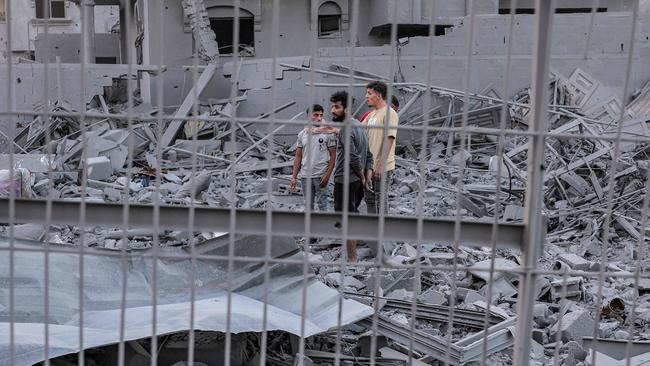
152, 25
63, 20
147, 215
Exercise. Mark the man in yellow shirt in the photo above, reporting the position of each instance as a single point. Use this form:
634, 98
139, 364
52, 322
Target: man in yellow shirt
381, 125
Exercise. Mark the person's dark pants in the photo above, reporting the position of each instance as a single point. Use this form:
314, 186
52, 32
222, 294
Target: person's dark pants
373, 199
373, 203
355, 196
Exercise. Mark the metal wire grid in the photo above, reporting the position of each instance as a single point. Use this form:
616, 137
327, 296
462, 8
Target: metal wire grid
534, 240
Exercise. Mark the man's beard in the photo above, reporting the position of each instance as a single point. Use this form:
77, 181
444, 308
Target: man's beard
337, 118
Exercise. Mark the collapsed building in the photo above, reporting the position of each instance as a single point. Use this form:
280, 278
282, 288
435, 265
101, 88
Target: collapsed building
158, 131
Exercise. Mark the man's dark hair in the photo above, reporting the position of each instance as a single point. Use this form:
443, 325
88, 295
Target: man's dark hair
380, 87
340, 96
315, 108
394, 101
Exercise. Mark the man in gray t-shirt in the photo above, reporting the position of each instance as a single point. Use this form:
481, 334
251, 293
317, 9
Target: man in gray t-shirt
359, 162
314, 162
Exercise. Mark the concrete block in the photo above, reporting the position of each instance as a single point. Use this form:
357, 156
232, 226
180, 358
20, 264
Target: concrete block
29, 231
606, 329
456, 159
482, 269
575, 325
433, 297
473, 296
573, 288
440, 258
170, 187
348, 281
432, 192
621, 334
404, 190
574, 350
501, 287
400, 294
575, 262
541, 310
411, 184
99, 168
384, 280
513, 213
539, 336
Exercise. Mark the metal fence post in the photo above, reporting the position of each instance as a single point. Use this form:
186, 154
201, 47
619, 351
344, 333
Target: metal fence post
534, 233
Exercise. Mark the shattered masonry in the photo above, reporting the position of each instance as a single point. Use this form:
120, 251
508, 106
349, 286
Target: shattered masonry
428, 302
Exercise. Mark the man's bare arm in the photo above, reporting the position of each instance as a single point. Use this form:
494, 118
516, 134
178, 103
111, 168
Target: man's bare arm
297, 162
330, 167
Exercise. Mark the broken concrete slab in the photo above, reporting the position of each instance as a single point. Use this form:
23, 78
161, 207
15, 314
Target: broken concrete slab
472, 296
173, 128
98, 168
513, 213
575, 325
482, 269
35, 163
432, 296
569, 288
575, 262
348, 281
194, 186
28, 231
500, 287
574, 351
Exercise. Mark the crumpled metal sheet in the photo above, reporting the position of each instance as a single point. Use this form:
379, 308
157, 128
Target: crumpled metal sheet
102, 296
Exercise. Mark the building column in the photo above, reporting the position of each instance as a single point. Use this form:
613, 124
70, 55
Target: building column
88, 30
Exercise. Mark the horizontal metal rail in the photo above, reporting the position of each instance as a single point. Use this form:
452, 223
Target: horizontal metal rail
283, 223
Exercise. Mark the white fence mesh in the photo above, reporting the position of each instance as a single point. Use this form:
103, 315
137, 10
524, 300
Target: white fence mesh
138, 230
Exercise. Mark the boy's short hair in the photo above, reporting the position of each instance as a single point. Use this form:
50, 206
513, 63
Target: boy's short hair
315, 108
380, 87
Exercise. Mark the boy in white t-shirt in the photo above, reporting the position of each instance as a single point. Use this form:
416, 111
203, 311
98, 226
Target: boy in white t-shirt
314, 162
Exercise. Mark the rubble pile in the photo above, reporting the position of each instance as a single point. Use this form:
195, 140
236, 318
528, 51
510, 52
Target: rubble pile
112, 160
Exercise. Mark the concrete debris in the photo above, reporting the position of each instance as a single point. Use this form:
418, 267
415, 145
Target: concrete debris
574, 262
99, 168
174, 283
433, 297
482, 269
200, 24
17, 183
35, 163
566, 288
573, 326
194, 185
574, 351
224, 164
614, 352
